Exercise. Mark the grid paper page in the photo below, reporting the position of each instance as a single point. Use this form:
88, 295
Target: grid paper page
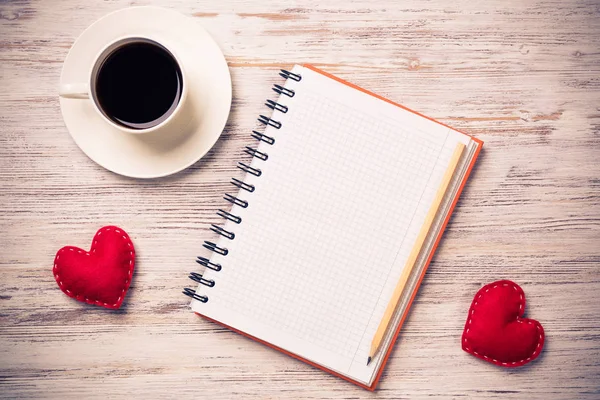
334, 216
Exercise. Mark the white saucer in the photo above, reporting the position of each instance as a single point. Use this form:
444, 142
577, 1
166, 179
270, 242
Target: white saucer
148, 155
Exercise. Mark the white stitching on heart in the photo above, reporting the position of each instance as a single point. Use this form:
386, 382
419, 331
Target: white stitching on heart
95, 241
538, 327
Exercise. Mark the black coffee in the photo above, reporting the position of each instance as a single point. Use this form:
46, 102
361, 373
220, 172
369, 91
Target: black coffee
139, 85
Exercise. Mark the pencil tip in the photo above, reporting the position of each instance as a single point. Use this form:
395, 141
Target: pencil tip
369, 361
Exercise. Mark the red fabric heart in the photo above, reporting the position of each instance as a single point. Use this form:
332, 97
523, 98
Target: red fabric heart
495, 330
100, 276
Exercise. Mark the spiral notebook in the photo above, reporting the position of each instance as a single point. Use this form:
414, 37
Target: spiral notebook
320, 228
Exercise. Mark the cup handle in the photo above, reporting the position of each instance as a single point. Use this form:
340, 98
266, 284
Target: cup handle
74, 91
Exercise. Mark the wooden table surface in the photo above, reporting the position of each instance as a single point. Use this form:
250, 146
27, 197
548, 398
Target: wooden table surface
523, 76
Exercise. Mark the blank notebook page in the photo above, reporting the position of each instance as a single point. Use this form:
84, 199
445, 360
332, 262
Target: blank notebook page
327, 232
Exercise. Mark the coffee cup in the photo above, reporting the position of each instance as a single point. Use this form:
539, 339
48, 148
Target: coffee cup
138, 85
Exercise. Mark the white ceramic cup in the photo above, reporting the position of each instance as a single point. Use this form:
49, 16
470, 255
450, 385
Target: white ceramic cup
173, 121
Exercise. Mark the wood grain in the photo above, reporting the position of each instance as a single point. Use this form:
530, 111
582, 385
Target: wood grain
523, 76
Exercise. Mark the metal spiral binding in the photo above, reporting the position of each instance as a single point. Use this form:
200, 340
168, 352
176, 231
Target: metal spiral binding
269, 121
249, 169
229, 216
281, 90
193, 295
213, 247
208, 264
222, 232
273, 105
235, 200
290, 75
261, 137
255, 153
242, 185
198, 278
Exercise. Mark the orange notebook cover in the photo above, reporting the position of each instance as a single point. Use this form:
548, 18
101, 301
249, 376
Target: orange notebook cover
277, 126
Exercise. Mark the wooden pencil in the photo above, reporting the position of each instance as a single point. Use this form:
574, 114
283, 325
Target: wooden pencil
410, 262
